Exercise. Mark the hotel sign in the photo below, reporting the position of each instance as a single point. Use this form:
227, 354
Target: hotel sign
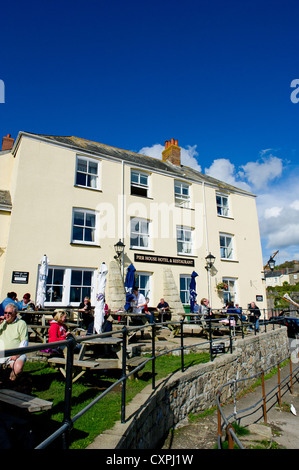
163, 260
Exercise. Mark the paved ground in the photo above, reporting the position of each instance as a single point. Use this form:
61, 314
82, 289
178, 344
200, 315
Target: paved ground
281, 430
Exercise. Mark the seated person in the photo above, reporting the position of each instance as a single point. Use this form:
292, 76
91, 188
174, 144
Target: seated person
163, 307
138, 304
13, 334
107, 325
58, 331
87, 316
24, 306
149, 315
10, 299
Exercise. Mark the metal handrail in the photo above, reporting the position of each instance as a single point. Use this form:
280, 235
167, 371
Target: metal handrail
232, 438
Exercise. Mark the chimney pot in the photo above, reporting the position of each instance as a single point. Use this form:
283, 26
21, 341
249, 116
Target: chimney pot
172, 152
7, 142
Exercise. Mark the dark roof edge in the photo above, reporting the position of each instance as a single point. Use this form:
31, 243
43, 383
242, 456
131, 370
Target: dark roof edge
175, 171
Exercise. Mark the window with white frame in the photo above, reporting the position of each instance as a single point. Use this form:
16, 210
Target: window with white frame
139, 233
139, 183
185, 280
68, 286
54, 287
229, 294
84, 226
182, 194
222, 205
143, 282
184, 240
87, 172
226, 246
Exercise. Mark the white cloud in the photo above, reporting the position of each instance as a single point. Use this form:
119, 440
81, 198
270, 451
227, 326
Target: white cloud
223, 170
295, 205
272, 212
188, 155
154, 151
277, 194
284, 237
277, 199
260, 174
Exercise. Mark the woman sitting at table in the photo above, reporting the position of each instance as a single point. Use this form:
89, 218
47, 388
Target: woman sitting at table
58, 331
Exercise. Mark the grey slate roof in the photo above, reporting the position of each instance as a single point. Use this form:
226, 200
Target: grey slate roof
79, 144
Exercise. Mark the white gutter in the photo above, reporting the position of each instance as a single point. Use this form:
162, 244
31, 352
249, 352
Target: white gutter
207, 241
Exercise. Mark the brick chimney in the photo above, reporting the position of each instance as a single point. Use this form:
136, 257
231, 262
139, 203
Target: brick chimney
172, 152
7, 142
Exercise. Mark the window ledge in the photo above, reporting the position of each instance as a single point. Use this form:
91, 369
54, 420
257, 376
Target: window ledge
187, 254
226, 217
143, 197
88, 187
137, 248
85, 244
229, 260
182, 207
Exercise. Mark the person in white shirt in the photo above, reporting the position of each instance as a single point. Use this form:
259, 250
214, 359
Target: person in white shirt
138, 302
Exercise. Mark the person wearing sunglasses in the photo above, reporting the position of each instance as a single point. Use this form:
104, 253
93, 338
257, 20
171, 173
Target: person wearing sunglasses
13, 335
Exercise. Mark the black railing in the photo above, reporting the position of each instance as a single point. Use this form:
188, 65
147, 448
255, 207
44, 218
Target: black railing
260, 404
68, 421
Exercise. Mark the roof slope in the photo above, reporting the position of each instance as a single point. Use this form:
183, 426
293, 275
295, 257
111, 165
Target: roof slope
137, 159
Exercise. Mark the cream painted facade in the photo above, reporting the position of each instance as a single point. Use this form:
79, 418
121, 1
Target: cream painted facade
51, 214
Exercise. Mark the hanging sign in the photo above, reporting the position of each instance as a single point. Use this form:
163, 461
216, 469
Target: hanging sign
144, 258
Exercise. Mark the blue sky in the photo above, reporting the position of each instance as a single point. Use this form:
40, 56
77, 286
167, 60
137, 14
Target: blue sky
214, 75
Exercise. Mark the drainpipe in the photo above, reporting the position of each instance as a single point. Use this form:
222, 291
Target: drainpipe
207, 241
122, 214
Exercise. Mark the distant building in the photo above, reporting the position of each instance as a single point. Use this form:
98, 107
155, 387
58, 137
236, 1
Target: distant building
73, 199
278, 277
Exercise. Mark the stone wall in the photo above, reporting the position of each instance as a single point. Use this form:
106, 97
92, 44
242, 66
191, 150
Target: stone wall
153, 413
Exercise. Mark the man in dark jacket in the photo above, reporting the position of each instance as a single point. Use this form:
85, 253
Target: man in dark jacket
256, 313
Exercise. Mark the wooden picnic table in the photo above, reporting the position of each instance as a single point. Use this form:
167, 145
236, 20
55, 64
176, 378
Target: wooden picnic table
130, 316
26, 402
89, 357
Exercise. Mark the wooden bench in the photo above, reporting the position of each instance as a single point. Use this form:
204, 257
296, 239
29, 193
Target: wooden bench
40, 331
84, 365
26, 402
98, 364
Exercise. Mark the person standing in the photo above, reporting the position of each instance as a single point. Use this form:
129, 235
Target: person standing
255, 311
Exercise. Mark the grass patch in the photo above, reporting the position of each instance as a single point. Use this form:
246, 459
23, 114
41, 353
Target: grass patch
49, 384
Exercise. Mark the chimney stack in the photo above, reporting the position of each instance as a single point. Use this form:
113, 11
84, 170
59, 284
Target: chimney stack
172, 152
7, 142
